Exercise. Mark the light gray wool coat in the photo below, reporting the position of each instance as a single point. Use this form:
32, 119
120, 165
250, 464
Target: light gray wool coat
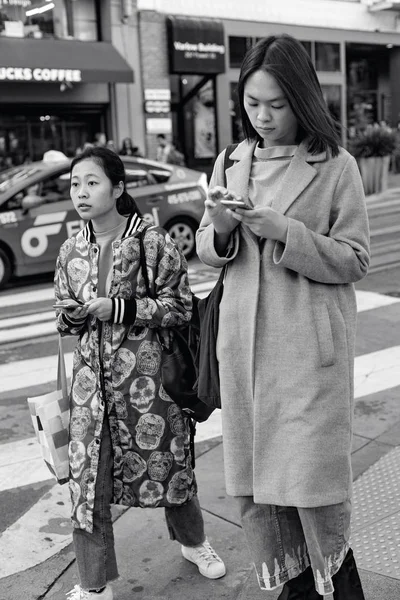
287, 330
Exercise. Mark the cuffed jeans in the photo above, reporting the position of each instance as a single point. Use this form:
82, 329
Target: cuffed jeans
95, 552
285, 540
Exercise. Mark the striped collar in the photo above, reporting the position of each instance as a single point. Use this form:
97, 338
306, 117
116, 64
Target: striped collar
134, 223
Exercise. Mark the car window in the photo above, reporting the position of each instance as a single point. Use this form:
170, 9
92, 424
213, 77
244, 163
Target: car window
15, 175
138, 178
52, 189
55, 188
157, 173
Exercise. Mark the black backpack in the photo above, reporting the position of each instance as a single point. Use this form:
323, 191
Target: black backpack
189, 368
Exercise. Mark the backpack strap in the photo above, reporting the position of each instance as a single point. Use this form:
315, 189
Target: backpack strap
143, 265
227, 160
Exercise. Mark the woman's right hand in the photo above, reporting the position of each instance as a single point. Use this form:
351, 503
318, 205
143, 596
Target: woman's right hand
223, 222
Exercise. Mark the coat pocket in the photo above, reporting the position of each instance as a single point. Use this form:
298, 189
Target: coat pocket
324, 335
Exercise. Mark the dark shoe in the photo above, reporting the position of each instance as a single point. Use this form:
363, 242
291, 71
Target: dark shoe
347, 582
301, 587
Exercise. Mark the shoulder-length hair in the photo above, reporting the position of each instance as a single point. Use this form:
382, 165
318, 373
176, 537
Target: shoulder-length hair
114, 169
284, 57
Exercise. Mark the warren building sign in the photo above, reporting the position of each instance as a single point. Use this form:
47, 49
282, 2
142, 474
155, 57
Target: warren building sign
196, 45
40, 75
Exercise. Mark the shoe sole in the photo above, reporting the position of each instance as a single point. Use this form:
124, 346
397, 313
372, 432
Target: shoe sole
202, 572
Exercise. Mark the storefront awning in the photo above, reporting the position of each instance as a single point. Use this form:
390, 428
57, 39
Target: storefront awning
196, 46
61, 61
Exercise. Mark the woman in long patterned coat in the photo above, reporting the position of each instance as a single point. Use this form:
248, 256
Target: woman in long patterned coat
129, 442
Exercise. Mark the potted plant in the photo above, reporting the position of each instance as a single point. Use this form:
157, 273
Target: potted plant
373, 148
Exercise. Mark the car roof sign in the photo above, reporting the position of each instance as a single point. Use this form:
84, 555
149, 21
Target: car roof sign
52, 156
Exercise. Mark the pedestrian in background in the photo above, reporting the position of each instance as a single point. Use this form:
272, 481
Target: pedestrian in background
287, 323
100, 139
129, 149
111, 145
163, 148
129, 442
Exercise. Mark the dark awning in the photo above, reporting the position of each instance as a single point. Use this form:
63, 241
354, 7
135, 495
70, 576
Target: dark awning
196, 45
62, 60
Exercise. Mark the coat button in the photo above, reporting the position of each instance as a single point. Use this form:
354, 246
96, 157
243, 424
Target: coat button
95, 250
97, 441
94, 288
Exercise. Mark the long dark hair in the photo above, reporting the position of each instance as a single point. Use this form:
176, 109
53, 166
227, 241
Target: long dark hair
114, 169
284, 57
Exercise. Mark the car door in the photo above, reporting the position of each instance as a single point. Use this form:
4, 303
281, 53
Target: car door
147, 193
50, 219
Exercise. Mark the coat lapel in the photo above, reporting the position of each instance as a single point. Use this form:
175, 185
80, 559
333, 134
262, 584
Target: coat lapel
297, 177
237, 176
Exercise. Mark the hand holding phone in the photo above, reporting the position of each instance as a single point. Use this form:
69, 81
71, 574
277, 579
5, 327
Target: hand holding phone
67, 305
233, 204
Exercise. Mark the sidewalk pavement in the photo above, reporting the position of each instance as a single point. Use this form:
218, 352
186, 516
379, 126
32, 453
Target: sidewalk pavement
151, 566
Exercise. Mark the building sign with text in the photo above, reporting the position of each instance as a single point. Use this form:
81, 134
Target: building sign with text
40, 75
196, 46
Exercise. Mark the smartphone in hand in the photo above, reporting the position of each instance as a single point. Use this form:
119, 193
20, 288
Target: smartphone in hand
66, 306
233, 204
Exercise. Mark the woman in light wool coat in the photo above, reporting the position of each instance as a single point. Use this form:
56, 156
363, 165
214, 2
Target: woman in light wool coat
287, 323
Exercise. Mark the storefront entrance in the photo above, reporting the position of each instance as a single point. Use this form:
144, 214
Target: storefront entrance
25, 135
196, 58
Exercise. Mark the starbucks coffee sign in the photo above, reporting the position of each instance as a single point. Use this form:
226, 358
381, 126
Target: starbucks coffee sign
40, 75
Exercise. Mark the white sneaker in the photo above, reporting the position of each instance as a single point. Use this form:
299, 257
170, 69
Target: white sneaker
79, 594
209, 563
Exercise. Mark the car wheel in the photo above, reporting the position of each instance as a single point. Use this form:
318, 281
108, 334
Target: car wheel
183, 232
5, 268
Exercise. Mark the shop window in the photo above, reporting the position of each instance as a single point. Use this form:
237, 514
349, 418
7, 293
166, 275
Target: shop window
237, 132
333, 99
63, 19
327, 56
238, 47
307, 46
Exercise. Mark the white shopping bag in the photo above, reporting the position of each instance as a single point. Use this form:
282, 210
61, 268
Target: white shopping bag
50, 417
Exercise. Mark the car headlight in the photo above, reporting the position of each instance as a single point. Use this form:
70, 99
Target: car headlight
203, 182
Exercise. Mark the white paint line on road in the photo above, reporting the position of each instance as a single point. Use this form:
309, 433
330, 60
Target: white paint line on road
41, 532
377, 371
27, 327
27, 320
28, 332
31, 372
47, 293
30, 297
371, 300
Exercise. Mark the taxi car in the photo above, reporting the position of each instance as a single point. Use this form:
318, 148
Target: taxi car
37, 214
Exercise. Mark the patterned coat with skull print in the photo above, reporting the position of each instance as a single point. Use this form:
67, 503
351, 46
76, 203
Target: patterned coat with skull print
150, 435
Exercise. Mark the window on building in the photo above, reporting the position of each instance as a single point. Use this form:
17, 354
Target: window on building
307, 47
238, 47
63, 19
236, 124
327, 56
333, 99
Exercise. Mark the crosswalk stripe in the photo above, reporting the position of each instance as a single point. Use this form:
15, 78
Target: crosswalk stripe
27, 327
46, 524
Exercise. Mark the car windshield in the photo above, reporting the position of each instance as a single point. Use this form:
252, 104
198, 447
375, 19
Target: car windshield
15, 175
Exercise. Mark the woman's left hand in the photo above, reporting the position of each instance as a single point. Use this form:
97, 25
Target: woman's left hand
100, 308
263, 221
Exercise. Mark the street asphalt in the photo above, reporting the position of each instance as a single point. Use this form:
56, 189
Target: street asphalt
151, 566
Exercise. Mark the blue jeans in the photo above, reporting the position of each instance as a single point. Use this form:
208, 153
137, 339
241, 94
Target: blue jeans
284, 541
95, 552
